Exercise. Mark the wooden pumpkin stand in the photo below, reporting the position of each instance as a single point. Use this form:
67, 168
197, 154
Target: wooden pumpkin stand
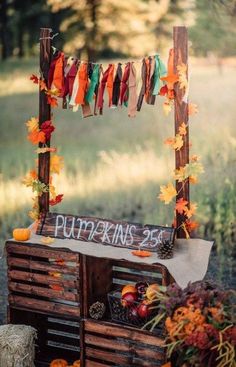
61, 316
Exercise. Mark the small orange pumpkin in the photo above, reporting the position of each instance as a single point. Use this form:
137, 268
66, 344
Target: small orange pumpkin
21, 234
76, 363
58, 363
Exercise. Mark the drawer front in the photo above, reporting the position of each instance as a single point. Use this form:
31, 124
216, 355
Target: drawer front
106, 344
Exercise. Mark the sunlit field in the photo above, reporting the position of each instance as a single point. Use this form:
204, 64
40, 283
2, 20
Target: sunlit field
114, 165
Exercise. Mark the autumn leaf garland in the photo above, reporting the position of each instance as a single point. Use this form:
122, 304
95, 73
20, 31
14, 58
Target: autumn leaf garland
41, 134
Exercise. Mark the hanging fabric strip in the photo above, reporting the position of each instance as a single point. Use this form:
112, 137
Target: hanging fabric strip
96, 91
68, 65
93, 84
148, 66
83, 84
58, 75
102, 89
71, 77
72, 102
150, 97
143, 87
132, 104
110, 80
124, 85
116, 86
52, 68
160, 71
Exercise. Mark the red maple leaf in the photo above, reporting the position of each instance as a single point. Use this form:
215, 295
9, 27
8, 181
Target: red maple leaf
34, 79
57, 200
47, 127
52, 101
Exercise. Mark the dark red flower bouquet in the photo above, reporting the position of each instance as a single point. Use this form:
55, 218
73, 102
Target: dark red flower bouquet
201, 331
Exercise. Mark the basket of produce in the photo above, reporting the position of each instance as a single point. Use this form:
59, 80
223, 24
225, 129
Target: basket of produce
133, 305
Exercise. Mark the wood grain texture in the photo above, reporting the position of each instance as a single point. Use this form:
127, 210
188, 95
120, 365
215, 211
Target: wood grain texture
44, 115
43, 306
104, 231
180, 38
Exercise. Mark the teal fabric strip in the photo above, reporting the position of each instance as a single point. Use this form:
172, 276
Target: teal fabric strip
160, 71
93, 83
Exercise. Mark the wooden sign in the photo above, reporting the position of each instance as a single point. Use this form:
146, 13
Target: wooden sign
104, 231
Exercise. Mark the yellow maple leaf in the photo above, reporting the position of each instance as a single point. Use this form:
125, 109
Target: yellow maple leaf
52, 191
32, 124
176, 142
30, 177
166, 108
182, 74
192, 109
47, 240
191, 211
183, 129
168, 192
34, 214
56, 163
180, 174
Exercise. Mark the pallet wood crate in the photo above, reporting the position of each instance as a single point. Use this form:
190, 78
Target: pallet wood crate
52, 289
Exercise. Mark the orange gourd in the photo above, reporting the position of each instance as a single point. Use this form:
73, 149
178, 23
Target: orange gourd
141, 253
21, 234
76, 363
58, 363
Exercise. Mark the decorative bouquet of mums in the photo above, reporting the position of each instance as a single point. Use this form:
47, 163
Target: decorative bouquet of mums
200, 325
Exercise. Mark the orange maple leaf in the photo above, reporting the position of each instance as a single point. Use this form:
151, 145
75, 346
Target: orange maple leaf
170, 79
176, 142
52, 101
193, 179
180, 174
37, 137
42, 85
191, 225
181, 206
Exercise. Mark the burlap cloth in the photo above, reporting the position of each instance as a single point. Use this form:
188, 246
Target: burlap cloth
189, 263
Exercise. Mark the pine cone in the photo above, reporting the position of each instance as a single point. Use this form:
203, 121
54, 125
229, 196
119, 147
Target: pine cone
165, 250
97, 310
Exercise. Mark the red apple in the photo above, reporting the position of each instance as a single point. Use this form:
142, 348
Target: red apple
128, 299
144, 309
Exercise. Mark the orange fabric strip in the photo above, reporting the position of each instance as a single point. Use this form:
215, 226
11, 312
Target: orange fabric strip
110, 80
83, 84
132, 104
58, 76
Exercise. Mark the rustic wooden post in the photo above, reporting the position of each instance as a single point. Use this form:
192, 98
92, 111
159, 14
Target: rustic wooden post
180, 37
44, 114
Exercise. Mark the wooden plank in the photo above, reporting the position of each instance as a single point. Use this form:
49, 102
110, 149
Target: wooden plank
40, 278
123, 347
111, 329
134, 277
156, 268
43, 306
104, 231
37, 250
89, 363
180, 38
42, 266
116, 358
44, 115
41, 291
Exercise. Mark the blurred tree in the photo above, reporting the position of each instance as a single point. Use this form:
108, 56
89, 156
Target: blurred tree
214, 30
111, 28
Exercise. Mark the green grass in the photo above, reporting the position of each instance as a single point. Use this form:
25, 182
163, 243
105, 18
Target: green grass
114, 165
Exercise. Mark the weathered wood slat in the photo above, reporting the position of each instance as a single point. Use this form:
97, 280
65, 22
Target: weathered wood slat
108, 356
42, 266
39, 278
45, 306
140, 266
89, 363
44, 292
134, 277
32, 249
124, 347
109, 329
